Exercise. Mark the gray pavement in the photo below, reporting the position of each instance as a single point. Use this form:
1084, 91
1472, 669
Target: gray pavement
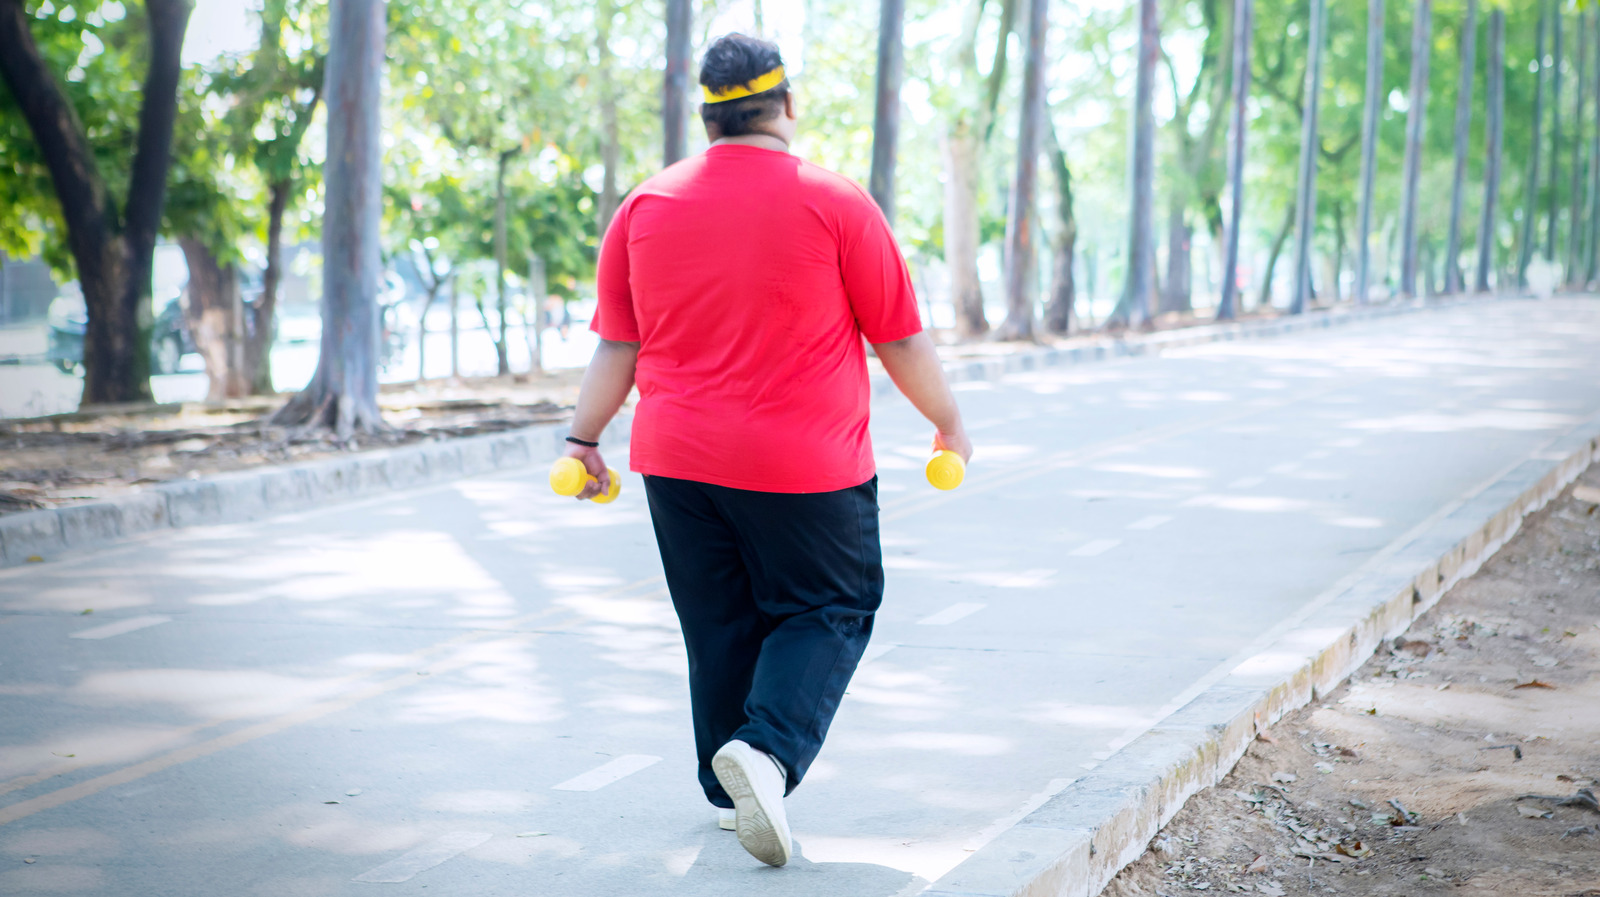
477, 688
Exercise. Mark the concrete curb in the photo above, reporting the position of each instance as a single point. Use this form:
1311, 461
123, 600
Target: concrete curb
252, 494
964, 370
1076, 842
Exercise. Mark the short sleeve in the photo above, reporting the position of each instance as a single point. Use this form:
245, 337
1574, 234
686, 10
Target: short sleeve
613, 315
875, 276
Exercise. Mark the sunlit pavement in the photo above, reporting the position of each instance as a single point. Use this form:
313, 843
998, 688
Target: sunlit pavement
478, 688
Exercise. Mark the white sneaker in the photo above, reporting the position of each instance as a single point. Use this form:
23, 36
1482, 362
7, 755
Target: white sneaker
756, 783
727, 819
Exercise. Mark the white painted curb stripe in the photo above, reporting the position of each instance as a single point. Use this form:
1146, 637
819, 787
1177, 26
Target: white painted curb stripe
951, 614
431, 854
601, 776
121, 626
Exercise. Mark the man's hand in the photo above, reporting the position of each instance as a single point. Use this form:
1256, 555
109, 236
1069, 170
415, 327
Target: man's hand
596, 466
954, 442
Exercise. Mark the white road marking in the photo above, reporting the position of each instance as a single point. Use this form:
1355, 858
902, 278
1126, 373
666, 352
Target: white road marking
951, 614
1090, 549
605, 774
121, 626
874, 651
1027, 579
431, 854
1246, 482
1150, 522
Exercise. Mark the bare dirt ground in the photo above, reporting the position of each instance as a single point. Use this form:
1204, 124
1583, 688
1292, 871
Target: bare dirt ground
68, 458
1464, 756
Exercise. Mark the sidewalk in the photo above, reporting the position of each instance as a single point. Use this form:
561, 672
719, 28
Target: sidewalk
480, 686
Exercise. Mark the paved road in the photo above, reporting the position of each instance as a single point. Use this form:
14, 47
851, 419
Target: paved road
479, 689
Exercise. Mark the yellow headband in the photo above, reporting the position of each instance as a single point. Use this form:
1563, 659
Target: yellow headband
749, 89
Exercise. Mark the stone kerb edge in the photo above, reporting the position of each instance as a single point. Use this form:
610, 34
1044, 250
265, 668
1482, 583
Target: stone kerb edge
976, 369
1075, 843
251, 494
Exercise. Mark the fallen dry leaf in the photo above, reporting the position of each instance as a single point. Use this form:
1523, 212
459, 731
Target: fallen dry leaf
1259, 864
1534, 683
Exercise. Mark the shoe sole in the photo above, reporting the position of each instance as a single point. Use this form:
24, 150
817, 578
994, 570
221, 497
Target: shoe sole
757, 833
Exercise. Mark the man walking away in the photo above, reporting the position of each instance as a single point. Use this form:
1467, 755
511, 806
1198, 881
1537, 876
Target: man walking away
735, 289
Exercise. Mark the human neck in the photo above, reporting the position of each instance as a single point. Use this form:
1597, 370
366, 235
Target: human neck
761, 140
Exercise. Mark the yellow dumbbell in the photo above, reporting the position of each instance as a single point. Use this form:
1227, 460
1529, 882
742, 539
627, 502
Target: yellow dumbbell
946, 470
568, 477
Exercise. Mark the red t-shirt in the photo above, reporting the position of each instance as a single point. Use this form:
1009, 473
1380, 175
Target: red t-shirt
749, 277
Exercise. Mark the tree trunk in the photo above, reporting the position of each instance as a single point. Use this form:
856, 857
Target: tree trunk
262, 328
434, 284
113, 265
1452, 252
1178, 292
1531, 205
422, 334
343, 393
1575, 208
1593, 248
502, 349
1493, 132
533, 326
1133, 309
1336, 263
961, 229
1369, 146
886, 120
610, 142
1022, 246
1416, 122
1555, 133
455, 333
1243, 28
1306, 194
1060, 311
1265, 300
675, 86
214, 312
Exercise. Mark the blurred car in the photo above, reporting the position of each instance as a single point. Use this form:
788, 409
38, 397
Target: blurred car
68, 318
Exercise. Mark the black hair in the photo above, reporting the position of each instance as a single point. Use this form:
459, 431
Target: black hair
736, 60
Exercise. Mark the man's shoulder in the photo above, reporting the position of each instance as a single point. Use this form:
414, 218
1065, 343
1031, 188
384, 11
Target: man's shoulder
844, 189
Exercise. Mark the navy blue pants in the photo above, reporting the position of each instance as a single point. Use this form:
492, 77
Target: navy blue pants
775, 593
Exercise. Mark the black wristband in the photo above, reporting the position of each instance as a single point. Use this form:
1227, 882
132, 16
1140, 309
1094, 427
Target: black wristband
585, 443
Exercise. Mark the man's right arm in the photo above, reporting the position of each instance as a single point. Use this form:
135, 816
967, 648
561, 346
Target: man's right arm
913, 364
606, 385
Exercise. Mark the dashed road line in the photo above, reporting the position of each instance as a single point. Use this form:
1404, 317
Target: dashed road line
951, 614
1151, 522
1091, 549
875, 651
1027, 579
603, 775
404, 867
121, 627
